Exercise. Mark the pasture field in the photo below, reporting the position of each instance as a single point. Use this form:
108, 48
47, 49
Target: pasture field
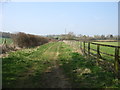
109, 43
9, 40
53, 65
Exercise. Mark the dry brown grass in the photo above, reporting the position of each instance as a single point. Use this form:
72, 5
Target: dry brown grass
7, 48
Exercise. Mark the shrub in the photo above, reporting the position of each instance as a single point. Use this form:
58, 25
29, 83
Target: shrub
28, 40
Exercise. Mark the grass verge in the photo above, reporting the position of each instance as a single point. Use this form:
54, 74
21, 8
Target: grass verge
84, 73
25, 65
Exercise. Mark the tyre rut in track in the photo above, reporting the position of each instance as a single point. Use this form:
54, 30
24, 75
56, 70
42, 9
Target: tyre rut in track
54, 76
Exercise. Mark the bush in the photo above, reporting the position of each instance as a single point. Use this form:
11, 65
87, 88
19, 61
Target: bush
28, 40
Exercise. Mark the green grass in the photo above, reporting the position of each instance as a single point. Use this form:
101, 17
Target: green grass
84, 73
9, 40
18, 63
30, 64
109, 43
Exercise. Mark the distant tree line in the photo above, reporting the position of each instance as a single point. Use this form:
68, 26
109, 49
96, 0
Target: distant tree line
72, 36
5, 34
28, 40
98, 37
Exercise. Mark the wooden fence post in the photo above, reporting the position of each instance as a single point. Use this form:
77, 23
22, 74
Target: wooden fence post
89, 49
98, 53
5, 41
117, 62
80, 44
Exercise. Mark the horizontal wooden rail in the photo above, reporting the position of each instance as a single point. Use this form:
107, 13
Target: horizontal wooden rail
93, 49
93, 54
104, 53
107, 54
105, 45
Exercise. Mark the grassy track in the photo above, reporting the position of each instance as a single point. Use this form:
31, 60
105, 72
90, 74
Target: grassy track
25, 65
29, 68
53, 65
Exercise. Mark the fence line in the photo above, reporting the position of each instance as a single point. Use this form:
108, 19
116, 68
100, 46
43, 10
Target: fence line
87, 51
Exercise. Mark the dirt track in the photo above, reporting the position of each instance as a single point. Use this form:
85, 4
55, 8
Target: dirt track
54, 76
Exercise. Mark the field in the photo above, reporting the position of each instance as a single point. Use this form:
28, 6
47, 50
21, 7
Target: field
9, 40
109, 43
57, 65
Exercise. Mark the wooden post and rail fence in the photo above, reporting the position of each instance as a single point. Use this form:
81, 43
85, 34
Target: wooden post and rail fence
86, 48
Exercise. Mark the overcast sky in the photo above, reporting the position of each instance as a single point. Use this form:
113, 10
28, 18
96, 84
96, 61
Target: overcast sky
42, 18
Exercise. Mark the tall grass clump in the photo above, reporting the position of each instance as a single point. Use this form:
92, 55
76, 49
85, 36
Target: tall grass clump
24, 40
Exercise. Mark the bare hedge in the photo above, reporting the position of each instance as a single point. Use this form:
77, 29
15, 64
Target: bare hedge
28, 40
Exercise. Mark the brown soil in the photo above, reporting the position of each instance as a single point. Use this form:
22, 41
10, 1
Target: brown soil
54, 78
